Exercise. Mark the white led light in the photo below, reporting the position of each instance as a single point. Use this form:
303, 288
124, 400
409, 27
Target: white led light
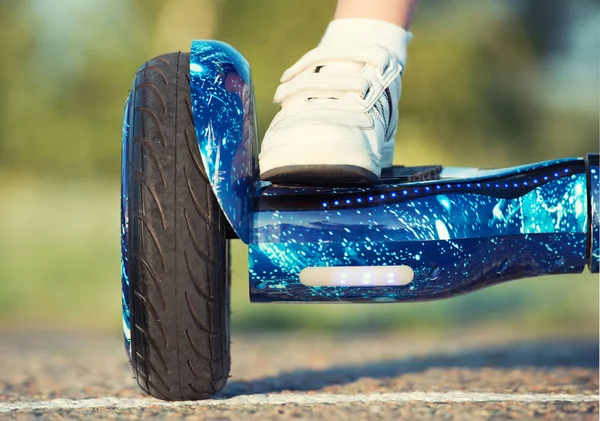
357, 276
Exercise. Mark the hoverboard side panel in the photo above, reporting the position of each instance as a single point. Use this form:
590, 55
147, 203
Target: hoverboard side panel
456, 235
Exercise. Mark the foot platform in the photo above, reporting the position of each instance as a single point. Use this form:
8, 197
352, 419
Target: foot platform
402, 174
348, 175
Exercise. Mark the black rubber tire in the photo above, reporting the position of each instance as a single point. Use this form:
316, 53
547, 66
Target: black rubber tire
179, 256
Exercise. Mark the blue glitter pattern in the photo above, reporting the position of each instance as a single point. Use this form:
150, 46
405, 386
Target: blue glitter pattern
456, 235
222, 102
126, 309
594, 198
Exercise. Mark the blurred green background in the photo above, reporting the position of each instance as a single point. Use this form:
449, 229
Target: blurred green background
488, 82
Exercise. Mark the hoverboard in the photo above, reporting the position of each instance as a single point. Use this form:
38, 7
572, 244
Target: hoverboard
190, 183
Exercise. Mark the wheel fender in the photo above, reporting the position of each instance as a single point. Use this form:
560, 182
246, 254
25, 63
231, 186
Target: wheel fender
222, 102
593, 174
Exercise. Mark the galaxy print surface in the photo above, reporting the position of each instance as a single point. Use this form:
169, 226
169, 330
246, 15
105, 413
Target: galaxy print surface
223, 111
594, 198
471, 229
457, 235
126, 309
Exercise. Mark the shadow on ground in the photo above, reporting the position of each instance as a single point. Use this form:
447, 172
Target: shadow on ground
544, 356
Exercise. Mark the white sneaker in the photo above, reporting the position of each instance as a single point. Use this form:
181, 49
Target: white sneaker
338, 118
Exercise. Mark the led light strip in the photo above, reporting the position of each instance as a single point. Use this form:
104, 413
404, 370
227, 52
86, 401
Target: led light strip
357, 276
390, 196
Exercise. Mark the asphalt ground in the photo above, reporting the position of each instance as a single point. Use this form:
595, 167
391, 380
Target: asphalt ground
458, 375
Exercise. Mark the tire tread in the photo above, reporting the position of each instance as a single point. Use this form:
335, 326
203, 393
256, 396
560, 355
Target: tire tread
179, 280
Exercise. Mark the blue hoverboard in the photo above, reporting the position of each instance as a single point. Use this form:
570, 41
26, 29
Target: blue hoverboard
190, 183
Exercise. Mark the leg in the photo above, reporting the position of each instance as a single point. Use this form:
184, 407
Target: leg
398, 12
339, 102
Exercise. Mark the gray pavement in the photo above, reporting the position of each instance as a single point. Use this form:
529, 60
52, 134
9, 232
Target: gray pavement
461, 375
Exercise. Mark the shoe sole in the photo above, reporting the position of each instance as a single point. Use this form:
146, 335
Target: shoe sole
319, 165
321, 175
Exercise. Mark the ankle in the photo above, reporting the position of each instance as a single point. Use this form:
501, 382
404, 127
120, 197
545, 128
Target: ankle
397, 12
